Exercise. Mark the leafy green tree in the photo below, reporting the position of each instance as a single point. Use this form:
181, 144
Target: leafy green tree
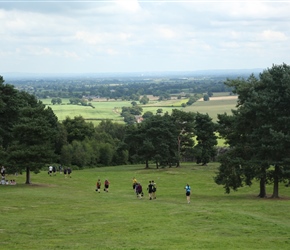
159, 111
152, 140
147, 114
192, 99
61, 138
206, 138
129, 118
209, 93
106, 154
66, 154
159, 140
144, 100
58, 100
121, 154
184, 123
78, 129
116, 130
133, 139
53, 101
80, 155
206, 97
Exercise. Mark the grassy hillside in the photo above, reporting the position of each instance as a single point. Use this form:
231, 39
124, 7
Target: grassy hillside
66, 213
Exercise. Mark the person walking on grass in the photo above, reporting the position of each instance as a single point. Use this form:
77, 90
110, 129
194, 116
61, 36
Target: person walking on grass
50, 168
134, 183
187, 193
98, 186
139, 190
54, 170
69, 172
150, 190
154, 190
107, 183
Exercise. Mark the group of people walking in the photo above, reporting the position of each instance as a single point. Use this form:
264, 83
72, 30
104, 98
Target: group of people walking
151, 188
66, 171
99, 184
138, 189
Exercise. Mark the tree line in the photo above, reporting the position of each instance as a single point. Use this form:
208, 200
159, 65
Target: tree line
31, 137
257, 134
129, 90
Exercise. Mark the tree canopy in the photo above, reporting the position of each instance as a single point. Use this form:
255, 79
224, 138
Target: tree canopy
28, 131
258, 132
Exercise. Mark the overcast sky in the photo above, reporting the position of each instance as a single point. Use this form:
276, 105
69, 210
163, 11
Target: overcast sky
141, 36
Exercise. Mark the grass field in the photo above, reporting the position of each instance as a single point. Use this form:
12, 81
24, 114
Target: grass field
66, 213
213, 107
111, 109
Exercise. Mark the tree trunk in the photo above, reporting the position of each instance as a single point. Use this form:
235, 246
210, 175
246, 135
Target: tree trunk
147, 165
276, 182
262, 193
156, 164
27, 176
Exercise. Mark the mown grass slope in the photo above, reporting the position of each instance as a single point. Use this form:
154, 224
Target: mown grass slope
67, 213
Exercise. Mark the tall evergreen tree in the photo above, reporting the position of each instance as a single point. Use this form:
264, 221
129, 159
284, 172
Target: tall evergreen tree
34, 137
259, 130
207, 140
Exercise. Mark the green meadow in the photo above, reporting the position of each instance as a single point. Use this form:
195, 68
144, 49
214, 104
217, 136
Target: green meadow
67, 213
111, 109
213, 107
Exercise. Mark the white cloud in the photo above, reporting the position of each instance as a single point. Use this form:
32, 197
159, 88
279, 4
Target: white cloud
271, 35
135, 35
72, 55
128, 5
166, 32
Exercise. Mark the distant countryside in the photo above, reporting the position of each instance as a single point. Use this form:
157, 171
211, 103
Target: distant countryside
209, 158
219, 103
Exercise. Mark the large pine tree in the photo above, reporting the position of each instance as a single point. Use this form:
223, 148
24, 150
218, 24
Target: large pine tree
258, 132
28, 131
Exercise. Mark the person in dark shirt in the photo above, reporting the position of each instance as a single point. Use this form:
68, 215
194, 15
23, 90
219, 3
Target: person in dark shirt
139, 190
150, 190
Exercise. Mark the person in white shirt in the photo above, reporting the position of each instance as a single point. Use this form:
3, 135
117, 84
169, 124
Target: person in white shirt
50, 170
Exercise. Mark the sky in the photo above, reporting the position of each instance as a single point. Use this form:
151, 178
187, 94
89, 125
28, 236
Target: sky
142, 36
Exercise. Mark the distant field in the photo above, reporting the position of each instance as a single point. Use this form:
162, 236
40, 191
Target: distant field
102, 110
216, 105
111, 109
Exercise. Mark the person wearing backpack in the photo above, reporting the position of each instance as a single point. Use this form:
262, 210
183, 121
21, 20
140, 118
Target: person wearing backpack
187, 193
150, 190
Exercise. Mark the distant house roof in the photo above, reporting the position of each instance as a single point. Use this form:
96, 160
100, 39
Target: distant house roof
139, 118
